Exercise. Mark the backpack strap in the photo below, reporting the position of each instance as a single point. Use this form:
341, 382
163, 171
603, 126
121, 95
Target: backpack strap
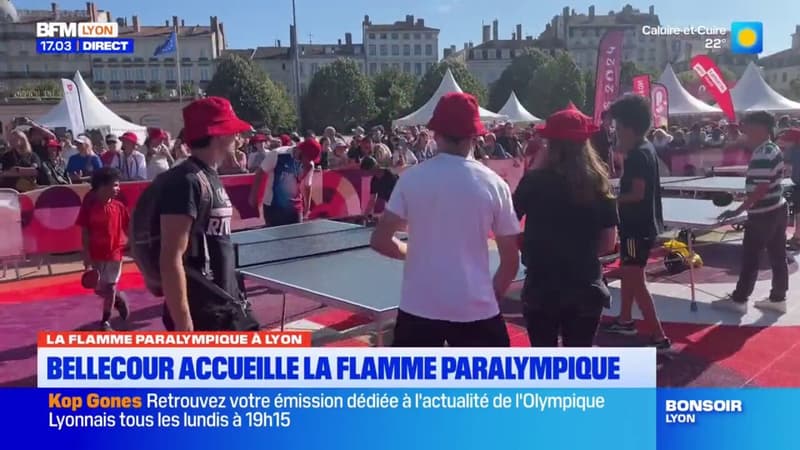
203, 216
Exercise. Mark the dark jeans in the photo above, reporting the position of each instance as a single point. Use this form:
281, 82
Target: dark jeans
765, 231
415, 331
274, 216
572, 312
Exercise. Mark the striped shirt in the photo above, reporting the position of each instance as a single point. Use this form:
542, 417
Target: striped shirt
766, 167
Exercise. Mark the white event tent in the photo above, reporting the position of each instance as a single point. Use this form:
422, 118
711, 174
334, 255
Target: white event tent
752, 93
423, 115
95, 114
681, 102
516, 113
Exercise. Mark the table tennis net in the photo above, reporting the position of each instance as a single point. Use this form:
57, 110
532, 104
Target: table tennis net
257, 253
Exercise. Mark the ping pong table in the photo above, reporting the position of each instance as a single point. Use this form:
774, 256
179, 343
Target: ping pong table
732, 185
328, 262
664, 180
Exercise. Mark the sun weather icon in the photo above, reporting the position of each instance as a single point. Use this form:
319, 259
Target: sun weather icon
747, 37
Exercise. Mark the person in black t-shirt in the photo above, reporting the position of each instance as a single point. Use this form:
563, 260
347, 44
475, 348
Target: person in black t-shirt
19, 166
380, 186
201, 289
641, 219
571, 219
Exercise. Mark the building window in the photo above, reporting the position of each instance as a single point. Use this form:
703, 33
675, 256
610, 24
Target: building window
394, 35
406, 36
204, 74
498, 54
154, 74
187, 74
384, 50
114, 75
407, 67
428, 50
395, 50
383, 35
128, 75
571, 32
140, 74
314, 68
428, 35
406, 50
302, 69
784, 75
372, 50
373, 68
418, 68
372, 35
384, 67
428, 66
417, 49
417, 36
472, 54
485, 54
170, 74
97, 74
512, 53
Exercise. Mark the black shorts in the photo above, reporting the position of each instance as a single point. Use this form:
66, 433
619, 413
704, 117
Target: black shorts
415, 331
635, 251
795, 199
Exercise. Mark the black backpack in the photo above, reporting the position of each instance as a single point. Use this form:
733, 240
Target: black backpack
146, 245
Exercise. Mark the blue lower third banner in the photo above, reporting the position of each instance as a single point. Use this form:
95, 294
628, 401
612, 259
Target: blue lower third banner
372, 419
619, 419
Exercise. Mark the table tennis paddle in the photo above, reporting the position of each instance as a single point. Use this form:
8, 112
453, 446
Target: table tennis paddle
722, 199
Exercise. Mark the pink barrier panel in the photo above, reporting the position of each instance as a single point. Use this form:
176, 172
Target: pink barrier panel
49, 214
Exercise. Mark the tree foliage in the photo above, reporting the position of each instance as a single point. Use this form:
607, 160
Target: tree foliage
589, 87
394, 95
339, 95
433, 77
554, 85
516, 77
255, 98
629, 70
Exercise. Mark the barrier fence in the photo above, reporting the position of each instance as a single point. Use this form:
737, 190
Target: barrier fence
48, 215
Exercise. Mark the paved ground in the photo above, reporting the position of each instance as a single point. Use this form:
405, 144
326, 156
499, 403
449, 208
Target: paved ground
712, 348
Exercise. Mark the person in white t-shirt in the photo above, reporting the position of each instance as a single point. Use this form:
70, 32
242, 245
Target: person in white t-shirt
450, 205
130, 162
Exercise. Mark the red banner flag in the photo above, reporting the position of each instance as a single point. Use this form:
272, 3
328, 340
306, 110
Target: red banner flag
641, 85
609, 65
711, 76
659, 103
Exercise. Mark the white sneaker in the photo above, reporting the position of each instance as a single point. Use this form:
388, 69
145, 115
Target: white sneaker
727, 303
769, 305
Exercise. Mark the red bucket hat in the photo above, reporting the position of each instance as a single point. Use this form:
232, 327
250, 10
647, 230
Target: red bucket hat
310, 150
156, 133
286, 140
210, 117
130, 137
53, 143
457, 115
258, 138
567, 125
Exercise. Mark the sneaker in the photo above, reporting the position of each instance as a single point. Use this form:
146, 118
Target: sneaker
618, 327
729, 304
106, 326
661, 345
770, 305
122, 308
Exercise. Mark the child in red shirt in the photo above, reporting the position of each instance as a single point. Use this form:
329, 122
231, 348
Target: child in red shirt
104, 222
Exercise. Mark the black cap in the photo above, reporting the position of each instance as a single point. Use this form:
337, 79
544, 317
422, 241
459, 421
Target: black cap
762, 118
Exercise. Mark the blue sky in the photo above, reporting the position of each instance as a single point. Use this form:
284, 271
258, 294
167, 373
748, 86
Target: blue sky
249, 23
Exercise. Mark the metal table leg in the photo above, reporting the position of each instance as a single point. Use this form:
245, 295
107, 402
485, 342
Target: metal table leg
690, 235
283, 311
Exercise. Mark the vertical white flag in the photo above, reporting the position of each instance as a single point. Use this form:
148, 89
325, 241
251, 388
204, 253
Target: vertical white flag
73, 102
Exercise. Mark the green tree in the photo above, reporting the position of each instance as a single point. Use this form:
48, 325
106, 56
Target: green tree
339, 95
516, 77
589, 87
254, 97
793, 92
554, 85
394, 95
433, 78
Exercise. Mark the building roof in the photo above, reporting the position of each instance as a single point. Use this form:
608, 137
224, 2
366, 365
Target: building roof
246, 53
514, 44
150, 31
400, 26
269, 53
786, 58
311, 50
